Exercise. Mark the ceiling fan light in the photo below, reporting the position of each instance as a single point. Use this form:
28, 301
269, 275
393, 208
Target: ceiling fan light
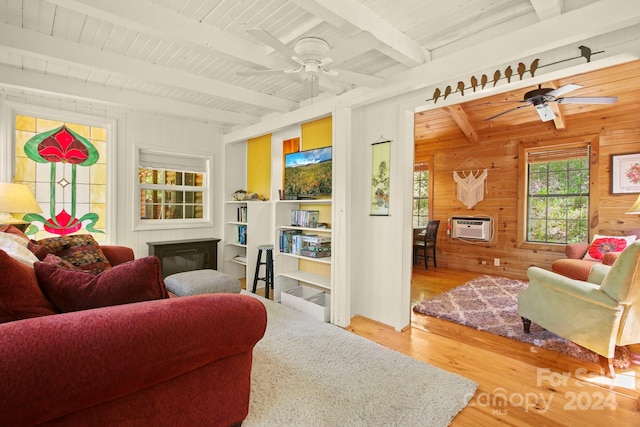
311, 48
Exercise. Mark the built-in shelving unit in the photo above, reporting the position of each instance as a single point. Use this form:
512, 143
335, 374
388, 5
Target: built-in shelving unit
250, 219
246, 163
292, 269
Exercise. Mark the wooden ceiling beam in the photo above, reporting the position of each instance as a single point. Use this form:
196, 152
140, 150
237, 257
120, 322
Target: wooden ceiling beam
40, 45
557, 111
462, 120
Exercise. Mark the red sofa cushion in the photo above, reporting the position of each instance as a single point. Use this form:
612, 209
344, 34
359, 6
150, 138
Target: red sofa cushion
20, 296
81, 250
73, 290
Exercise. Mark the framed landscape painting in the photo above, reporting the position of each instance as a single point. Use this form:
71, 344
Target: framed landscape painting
625, 174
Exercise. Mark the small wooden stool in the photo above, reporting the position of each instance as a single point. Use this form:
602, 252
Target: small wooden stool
268, 273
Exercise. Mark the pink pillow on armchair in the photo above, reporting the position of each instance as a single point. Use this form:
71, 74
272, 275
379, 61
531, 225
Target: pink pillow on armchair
73, 290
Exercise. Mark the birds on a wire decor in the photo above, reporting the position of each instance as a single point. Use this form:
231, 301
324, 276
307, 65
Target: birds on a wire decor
521, 71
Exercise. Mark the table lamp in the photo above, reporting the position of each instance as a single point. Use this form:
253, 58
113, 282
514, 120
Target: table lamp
15, 201
635, 209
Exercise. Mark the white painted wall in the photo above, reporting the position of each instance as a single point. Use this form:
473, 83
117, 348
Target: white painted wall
380, 273
133, 128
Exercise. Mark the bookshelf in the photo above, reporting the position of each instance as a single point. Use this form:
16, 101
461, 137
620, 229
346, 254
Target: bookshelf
246, 227
293, 269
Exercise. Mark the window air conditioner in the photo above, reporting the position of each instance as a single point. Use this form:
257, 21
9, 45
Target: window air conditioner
466, 227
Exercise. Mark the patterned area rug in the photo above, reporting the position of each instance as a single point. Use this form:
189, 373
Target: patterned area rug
489, 303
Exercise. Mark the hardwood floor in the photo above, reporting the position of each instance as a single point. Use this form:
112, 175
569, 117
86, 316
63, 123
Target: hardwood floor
519, 384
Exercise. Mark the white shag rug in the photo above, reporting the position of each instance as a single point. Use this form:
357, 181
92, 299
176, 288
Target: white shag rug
310, 373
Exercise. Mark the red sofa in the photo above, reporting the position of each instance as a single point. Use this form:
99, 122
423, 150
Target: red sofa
166, 362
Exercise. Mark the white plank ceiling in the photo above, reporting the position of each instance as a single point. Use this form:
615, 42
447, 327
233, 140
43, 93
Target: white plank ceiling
185, 56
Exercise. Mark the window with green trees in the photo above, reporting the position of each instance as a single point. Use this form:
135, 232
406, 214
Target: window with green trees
557, 207
420, 198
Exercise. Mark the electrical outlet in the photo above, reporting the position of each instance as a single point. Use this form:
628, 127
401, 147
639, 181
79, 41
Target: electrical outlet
496, 262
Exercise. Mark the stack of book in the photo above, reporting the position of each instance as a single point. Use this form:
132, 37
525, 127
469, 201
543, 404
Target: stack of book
286, 240
309, 245
314, 246
303, 218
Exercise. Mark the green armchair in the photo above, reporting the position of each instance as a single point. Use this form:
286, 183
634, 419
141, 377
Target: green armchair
598, 314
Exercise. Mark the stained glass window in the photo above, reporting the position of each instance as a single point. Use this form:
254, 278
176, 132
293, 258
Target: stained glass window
65, 165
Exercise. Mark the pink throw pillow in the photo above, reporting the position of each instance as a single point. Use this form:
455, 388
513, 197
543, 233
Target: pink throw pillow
73, 290
20, 296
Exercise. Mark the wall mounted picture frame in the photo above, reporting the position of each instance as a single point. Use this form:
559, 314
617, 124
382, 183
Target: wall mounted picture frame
625, 173
380, 174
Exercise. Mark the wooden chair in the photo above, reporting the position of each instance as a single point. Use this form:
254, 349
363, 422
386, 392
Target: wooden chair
425, 241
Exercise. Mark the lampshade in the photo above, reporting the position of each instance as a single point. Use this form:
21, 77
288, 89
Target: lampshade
16, 199
635, 209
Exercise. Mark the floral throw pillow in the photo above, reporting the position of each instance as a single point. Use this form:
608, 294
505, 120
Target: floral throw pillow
602, 245
81, 250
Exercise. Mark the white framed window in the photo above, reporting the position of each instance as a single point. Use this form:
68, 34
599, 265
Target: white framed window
173, 190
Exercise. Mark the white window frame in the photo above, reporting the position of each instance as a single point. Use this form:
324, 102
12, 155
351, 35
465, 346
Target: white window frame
169, 160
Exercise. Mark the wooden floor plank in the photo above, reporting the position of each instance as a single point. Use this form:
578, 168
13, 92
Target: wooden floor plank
519, 384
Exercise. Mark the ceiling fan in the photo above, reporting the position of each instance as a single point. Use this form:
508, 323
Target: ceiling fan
311, 56
541, 97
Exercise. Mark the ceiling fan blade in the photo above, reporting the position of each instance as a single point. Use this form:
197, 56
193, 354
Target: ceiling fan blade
272, 41
507, 111
332, 73
588, 100
545, 112
294, 71
334, 85
325, 61
358, 78
562, 90
352, 47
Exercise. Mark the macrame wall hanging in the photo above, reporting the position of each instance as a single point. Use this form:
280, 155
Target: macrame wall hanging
471, 179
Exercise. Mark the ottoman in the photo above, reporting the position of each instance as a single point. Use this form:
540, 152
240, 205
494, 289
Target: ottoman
201, 282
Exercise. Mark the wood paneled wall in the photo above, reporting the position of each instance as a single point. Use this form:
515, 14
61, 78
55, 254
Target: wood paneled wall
616, 127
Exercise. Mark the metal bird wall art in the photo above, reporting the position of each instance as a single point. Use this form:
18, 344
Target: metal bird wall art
521, 69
